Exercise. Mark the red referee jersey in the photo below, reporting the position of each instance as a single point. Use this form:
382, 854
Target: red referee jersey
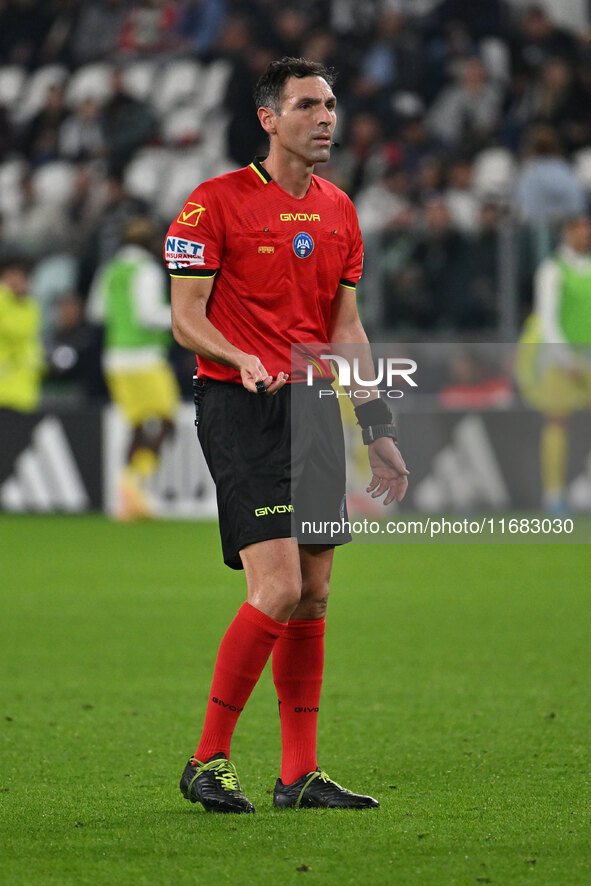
277, 260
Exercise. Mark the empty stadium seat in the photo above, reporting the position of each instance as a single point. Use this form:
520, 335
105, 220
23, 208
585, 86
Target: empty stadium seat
582, 167
213, 135
144, 174
177, 82
12, 80
183, 172
494, 174
182, 125
139, 78
11, 175
91, 81
54, 182
214, 84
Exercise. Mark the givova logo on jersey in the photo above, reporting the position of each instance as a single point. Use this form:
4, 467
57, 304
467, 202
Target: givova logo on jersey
303, 245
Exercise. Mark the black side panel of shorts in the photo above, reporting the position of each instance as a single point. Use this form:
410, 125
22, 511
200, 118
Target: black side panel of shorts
318, 467
246, 442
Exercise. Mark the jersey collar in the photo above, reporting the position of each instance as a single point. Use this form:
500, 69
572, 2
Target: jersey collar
260, 170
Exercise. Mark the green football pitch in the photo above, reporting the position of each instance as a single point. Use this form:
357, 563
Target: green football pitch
456, 691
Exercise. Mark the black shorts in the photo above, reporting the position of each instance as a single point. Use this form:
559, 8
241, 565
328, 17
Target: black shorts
269, 482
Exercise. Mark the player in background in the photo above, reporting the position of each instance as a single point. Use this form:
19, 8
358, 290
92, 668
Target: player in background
129, 297
554, 355
21, 352
262, 258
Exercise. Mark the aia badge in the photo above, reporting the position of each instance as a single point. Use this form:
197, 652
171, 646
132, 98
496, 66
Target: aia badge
303, 245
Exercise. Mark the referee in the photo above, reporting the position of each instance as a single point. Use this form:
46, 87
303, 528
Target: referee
261, 258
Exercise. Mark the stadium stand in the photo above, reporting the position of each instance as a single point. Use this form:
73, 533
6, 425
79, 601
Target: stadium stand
435, 106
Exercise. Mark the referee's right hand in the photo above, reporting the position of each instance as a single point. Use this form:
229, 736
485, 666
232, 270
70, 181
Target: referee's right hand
253, 371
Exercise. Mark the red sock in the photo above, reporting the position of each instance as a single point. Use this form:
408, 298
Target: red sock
243, 653
298, 661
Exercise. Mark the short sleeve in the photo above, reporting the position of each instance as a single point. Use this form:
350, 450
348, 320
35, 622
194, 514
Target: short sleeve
353, 267
195, 240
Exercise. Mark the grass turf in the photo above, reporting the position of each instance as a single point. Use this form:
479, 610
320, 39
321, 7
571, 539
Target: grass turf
456, 691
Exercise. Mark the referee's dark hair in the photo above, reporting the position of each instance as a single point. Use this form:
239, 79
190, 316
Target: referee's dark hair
269, 89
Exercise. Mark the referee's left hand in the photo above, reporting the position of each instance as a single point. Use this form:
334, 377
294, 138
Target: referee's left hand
389, 473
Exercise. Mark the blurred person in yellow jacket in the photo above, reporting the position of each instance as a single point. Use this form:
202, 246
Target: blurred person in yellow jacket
554, 355
129, 297
21, 351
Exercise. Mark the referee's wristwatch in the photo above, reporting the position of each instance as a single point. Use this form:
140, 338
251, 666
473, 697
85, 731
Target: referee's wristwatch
376, 421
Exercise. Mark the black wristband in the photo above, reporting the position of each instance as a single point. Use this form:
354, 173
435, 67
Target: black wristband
374, 412
375, 431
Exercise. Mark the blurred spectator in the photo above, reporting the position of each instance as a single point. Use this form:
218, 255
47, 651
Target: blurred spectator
430, 177
442, 253
57, 46
395, 59
97, 31
149, 27
73, 350
446, 50
478, 309
198, 26
365, 156
380, 204
127, 123
577, 131
37, 227
538, 39
8, 136
23, 27
467, 113
460, 198
415, 141
556, 97
427, 271
40, 138
289, 26
547, 189
81, 134
84, 207
481, 20
245, 137
551, 98
107, 234
408, 299
21, 354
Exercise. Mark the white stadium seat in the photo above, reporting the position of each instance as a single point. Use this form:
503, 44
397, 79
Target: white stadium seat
144, 174
177, 82
138, 78
12, 80
54, 182
11, 176
213, 132
582, 167
35, 90
184, 171
91, 81
182, 125
495, 170
214, 84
